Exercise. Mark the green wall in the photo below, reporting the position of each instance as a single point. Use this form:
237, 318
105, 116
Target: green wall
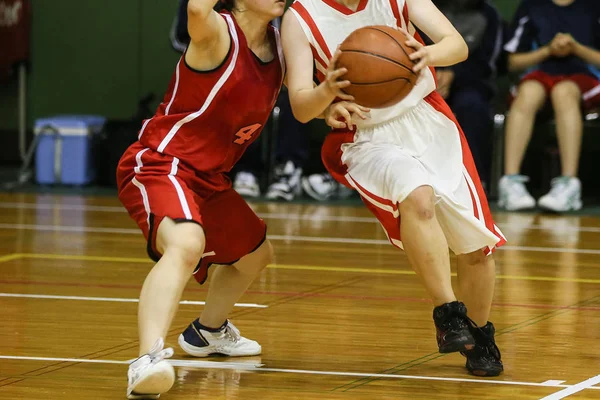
95, 57
99, 57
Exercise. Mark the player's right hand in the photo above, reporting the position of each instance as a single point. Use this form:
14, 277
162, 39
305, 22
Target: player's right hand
339, 115
332, 82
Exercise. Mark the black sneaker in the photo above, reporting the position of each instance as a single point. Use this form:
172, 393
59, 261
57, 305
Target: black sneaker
485, 359
452, 326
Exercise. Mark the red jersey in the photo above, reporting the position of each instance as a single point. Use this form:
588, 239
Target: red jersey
208, 118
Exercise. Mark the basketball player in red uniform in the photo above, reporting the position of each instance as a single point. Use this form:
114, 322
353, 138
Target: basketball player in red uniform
173, 183
409, 162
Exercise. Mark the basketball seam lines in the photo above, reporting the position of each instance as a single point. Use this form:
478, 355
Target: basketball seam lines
394, 39
379, 56
378, 83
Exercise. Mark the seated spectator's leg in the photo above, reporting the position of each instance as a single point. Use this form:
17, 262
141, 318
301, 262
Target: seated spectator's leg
531, 97
565, 193
291, 153
566, 101
473, 111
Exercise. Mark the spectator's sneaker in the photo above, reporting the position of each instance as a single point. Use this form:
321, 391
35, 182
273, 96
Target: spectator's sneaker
320, 186
287, 183
513, 194
564, 195
246, 184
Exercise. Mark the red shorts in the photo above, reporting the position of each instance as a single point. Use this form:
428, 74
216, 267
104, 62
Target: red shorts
153, 186
589, 85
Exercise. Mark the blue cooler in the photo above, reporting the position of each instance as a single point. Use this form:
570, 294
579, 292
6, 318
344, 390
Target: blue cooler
64, 150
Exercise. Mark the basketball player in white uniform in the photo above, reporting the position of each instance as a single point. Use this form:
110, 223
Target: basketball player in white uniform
409, 162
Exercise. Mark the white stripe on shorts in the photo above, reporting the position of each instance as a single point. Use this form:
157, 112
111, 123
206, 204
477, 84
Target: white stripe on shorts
182, 200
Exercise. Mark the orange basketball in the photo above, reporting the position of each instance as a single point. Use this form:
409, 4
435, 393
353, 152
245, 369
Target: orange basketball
378, 66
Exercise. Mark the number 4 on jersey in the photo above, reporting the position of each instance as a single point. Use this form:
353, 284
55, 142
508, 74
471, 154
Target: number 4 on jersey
245, 134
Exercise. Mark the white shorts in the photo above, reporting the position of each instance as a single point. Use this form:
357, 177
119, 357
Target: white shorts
423, 147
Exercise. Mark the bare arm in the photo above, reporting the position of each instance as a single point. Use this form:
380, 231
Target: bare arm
587, 54
522, 61
449, 48
203, 21
307, 100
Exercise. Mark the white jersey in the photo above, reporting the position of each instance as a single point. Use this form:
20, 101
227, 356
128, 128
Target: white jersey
327, 23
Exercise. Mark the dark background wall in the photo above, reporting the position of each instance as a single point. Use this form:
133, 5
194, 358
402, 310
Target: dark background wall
98, 57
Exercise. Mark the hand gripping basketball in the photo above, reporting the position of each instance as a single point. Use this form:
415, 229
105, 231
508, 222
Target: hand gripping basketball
334, 85
421, 56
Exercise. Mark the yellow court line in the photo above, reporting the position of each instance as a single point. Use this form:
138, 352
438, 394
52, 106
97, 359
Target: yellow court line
10, 257
291, 267
75, 257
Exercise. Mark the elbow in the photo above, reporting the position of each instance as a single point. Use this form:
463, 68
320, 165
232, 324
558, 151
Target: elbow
303, 119
196, 10
463, 52
298, 113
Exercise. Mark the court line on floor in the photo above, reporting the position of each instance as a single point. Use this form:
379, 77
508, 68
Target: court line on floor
588, 383
284, 216
10, 257
260, 368
302, 267
323, 295
175, 363
113, 299
290, 238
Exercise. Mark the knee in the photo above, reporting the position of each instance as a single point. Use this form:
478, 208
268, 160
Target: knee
476, 259
255, 262
530, 98
420, 204
186, 245
565, 94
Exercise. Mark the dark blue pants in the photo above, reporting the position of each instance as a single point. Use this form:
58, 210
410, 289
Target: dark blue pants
474, 111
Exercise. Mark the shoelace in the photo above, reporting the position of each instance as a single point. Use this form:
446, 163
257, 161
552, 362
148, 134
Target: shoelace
517, 184
558, 185
158, 353
232, 333
490, 344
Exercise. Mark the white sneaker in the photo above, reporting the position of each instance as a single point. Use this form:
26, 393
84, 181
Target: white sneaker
199, 342
287, 183
513, 194
246, 184
319, 186
564, 195
150, 375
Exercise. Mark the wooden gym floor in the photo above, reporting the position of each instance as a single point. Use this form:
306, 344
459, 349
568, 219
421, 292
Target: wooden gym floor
340, 315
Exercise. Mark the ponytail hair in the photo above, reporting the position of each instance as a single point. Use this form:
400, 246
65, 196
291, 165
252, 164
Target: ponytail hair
226, 5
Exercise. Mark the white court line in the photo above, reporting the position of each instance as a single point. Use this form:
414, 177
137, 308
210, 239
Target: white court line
292, 238
301, 217
259, 368
587, 384
175, 363
112, 299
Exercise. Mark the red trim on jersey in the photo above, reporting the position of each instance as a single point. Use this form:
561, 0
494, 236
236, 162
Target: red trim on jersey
304, 14
396, 12
317, 57
405, 14
438, 103
343, 9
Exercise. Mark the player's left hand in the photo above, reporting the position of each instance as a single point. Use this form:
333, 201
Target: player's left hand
339, 115
422, 55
